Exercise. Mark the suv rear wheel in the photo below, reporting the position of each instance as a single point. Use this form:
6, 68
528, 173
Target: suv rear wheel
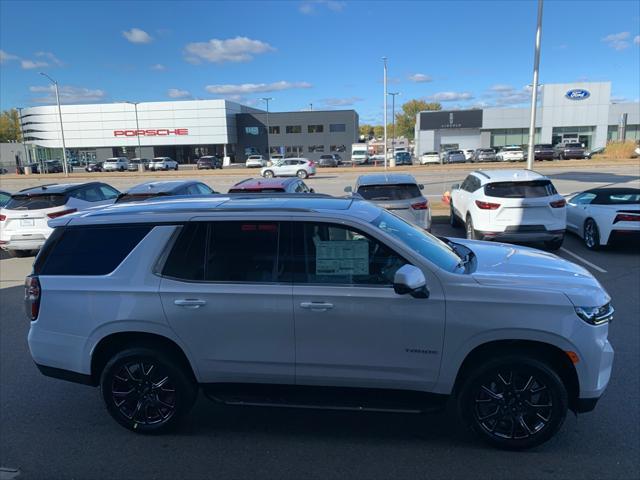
268, 174
453, 220
302, 174
146, 390
470, 230
514, 402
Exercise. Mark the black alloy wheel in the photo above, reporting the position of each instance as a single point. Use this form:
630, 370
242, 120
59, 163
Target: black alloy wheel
591, 235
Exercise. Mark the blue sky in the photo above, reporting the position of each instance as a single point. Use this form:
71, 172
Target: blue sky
327, 53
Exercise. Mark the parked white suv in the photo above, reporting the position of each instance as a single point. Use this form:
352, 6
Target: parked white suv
511, 154
255, 161
23, 220
119, 164
303, 300
509, 205
290, 167
163, 163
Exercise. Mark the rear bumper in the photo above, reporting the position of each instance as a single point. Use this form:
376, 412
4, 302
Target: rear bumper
66, 375
24, 244
522, 236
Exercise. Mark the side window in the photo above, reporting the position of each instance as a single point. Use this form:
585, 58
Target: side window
465, 184
88, 194
299, 188
333, 254
108, 192
75, 251
583, 199
186, 260
193, 190
242, 252
474, 185
205, 190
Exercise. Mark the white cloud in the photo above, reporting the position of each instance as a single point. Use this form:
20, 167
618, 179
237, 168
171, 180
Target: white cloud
245, 88
500, 87
636, 40
420, 78
68, 94
450, 96
158, 67
177, 93
136, 35
501, 95
51, 57
239, 49
31, 64
340, 102
309, 7
5, 56
617, 41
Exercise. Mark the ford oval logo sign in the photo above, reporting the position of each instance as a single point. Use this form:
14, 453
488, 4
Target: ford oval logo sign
577, 94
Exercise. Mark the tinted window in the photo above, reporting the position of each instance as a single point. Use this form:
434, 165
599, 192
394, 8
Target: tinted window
389, 192
536, 188
186, 260
205, 190
108, 192
315, 128
35, 202
4, 198
92, 250
88, 194
327, 253
583, 199
620, 198
294, 129
574, 145
337, 127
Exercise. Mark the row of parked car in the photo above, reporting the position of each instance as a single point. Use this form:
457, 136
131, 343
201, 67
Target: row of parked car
306, 300
513, 153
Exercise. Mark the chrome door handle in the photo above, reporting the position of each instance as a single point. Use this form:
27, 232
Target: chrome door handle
317, 306
190, 303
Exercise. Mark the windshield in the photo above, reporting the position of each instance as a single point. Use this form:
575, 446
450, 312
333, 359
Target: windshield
403, 191
425, 244
359, 152
455, 152
536, 188
512, 149
430, 153
487, 151
574, 145
132, 197
35, 202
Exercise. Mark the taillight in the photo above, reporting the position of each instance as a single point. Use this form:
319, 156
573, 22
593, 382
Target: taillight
3, 218
558, 203
420, 205
487, 205
32, 294
63, 212
627, 217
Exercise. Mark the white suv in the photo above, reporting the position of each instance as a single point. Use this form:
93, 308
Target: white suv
114, 164
509, 205
290, 167
163, 163
511, 154
23, 220
312, 301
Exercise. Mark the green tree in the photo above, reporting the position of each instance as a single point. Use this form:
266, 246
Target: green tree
366, 130
406, 119
10, 126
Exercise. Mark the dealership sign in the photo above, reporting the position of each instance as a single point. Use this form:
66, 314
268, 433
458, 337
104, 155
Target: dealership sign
159, 132
440, 120
577, 94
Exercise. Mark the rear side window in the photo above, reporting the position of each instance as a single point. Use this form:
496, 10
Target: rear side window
403, 191
91, 250
35, 202
536, 188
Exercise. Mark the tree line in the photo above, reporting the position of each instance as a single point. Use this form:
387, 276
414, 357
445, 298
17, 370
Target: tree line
10, 126
405, 121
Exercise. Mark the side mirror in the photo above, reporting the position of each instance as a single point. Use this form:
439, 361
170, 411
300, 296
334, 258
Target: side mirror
311, 190
421, 186
455, 186
410, 279
348, 189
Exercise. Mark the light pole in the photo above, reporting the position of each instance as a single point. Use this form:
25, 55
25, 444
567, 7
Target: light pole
64, 146
534, 92
26, 155
384, 81
135, 106
266, 100
393, 135
311, 107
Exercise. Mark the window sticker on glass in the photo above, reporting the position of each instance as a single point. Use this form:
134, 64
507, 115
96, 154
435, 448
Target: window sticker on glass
343, 257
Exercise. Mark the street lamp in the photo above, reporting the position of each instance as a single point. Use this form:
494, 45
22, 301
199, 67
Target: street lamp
384, 81
135, 106
534, 92
64, 146
266, 100
393, 119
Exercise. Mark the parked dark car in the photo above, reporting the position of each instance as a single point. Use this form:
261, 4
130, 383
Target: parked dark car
543, 151
330, 160
484, 155
403, 158
35, 168
52, 166
94, 167
167, 188
4, 198
209, 162
134, 163
271, 185
564, 151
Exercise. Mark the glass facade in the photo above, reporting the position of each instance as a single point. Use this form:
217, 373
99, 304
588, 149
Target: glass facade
633, 133
512, 136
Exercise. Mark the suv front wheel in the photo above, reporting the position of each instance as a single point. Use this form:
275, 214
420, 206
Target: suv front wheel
514, 402
146, 391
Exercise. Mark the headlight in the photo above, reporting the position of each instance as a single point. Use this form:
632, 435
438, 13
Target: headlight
596, 315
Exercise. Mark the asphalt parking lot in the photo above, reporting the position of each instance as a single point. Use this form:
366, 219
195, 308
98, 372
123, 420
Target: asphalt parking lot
52, 429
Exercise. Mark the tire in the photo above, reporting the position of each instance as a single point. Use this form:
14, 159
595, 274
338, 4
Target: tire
166, 168
176, 169
302, 174
453, 220
141, 370
121, 169
520, 388
268, 174
554, 245
591, 235
470, 231
561, 156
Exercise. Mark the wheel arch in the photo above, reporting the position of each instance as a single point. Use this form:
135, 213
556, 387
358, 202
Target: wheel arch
550, 354
118, 341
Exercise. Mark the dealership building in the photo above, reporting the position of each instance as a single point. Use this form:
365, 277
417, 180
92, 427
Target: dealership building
184, 131
568, 112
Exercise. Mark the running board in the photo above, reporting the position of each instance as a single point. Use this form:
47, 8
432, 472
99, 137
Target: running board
324, 398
